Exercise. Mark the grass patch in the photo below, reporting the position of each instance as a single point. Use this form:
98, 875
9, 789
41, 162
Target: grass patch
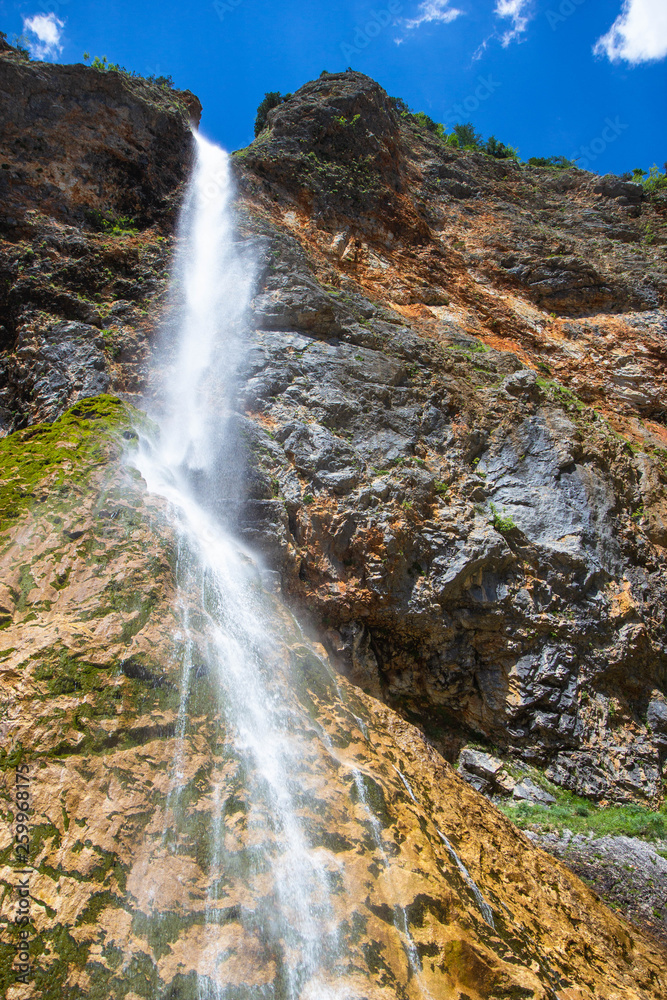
574, 813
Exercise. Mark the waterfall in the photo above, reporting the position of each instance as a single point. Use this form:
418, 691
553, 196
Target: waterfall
260, 806
193, 466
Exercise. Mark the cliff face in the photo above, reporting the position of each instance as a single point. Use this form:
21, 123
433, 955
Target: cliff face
92, 165
453, 413
471, 400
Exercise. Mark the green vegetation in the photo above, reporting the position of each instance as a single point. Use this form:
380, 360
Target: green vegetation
652, 182
103, 222
561, 394
349, 179
579, 815
58, 456
499, 151
463, 135
502, 522
345, 122
104, 66
551, 162
19, 43
271, 100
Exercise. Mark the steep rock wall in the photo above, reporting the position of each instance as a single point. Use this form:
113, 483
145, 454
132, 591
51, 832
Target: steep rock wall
470, 453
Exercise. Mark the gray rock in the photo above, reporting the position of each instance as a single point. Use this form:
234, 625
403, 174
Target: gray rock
476, 762
65, 365
627, 193
522, 383
625, 871
656, 716
527, 791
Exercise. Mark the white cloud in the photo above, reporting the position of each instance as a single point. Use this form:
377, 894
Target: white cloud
639, 33
429, 11
44, 34
517, 11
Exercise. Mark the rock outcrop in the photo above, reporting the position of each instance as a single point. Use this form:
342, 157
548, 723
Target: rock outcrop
92, 167
494, 535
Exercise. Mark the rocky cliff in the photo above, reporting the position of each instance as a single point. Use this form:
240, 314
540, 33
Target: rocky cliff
458, 393
454, 432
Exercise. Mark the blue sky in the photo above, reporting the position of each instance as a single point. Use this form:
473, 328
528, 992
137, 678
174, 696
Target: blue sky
524, 70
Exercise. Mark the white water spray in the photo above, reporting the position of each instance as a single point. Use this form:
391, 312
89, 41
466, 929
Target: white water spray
193, 468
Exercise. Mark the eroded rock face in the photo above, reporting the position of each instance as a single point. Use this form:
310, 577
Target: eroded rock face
92, 169
476, 523
108, 142
129, 835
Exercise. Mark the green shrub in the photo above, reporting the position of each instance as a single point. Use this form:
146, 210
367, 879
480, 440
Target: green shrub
271, 100
20, 43
493, 147
166, 82
103, 64
554, 162
426, 122
468, 136
400, 106
502, 522
655, 181
343, 121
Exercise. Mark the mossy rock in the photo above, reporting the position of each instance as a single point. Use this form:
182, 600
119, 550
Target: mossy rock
58, 457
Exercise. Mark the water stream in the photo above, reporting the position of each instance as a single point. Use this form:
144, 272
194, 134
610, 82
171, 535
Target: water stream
262, 834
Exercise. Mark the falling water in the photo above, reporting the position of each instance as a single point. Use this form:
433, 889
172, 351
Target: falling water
194, 468
260, 835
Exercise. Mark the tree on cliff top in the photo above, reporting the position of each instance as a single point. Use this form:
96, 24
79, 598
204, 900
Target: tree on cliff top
271, 100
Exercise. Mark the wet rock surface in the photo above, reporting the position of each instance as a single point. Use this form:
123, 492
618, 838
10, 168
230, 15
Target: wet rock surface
125, 850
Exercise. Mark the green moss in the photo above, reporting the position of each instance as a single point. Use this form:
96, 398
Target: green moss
562, 395
57, 458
